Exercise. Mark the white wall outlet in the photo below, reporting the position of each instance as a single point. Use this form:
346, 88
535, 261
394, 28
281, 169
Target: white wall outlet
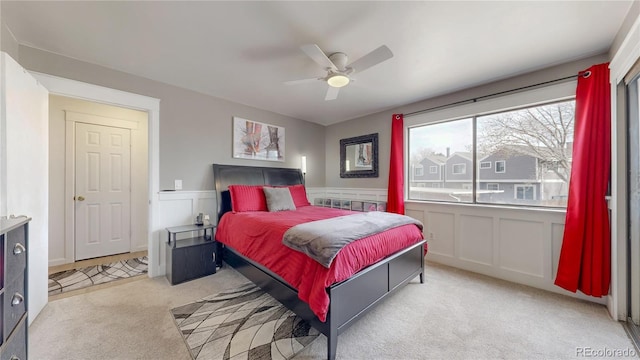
177, 184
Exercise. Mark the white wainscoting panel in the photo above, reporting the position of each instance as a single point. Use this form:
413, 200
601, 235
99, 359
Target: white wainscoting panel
440, 231
515, 244
557, 232
521, 246
511, 243
416, 214
476, 239
181, 208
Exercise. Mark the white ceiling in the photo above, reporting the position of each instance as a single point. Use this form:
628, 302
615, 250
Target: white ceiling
244, 51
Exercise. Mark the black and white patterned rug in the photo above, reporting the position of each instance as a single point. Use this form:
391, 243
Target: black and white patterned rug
243, 323
68, 280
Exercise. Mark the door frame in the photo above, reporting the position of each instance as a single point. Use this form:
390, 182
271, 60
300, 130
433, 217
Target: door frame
626, 55
71, 119
85, 91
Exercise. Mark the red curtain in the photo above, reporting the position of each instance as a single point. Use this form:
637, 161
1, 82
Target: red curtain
395, 192
585, 257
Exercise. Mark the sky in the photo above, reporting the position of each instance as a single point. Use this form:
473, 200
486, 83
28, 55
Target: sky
457, 135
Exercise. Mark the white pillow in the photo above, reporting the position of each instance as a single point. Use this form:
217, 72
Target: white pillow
278, 199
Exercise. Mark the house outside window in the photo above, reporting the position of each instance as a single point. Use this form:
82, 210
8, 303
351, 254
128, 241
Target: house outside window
535, 142
419, 171
433, 169
459, 168
525, 192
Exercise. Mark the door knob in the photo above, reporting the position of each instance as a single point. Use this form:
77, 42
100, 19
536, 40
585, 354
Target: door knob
18, 249
79, 198
17, 299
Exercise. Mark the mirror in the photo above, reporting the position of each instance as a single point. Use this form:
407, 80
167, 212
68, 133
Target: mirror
359, 156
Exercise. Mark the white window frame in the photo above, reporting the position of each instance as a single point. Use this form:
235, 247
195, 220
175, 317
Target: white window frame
518, 186
497, 186
464, 169
504, 166
558, 92
433, 169
485, 163
418, 171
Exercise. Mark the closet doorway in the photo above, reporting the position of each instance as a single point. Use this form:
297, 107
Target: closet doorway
99, 174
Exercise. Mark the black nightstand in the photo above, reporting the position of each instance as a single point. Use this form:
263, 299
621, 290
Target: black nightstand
191, 258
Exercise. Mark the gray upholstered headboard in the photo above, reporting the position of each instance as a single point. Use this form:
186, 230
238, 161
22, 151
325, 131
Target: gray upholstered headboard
225, 175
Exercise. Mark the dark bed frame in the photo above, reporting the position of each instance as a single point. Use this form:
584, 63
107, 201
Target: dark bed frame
349, 299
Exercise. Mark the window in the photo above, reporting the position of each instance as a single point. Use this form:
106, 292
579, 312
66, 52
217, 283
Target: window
525, 192
419, 171
440, 142
435, 185
536, 141
433, 169
459, 168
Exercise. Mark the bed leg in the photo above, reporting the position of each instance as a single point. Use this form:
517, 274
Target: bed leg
422, 273
332, 343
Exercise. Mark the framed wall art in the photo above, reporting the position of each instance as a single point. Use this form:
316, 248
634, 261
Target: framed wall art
257, 141
359, 156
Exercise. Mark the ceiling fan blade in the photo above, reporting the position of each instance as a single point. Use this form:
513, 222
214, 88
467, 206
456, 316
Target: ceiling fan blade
332, 93
315, 53
301, 81
371, 59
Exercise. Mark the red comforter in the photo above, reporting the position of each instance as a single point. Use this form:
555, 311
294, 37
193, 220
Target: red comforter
258, 236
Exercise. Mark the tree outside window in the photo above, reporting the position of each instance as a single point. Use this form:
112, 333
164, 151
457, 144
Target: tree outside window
535, 143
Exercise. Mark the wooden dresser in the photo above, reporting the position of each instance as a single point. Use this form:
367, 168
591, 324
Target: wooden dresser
14, 233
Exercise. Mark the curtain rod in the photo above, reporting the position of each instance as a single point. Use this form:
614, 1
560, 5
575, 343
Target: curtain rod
566, 78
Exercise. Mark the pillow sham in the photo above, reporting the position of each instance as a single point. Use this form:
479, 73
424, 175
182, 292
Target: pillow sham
247, 198
299, 195
278, 199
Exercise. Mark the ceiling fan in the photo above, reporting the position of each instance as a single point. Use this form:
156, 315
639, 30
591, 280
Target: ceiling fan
338, 72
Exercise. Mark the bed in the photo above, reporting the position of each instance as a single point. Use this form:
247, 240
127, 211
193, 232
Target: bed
347, 299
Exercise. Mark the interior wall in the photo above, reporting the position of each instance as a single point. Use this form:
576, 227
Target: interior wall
381, 122
632, 16
60, 248
8, 43
195, 129
24, 176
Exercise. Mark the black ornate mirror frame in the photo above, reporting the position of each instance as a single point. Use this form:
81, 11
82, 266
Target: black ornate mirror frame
371, 171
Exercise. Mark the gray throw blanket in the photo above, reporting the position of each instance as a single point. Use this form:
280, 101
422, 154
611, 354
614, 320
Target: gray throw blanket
323, 239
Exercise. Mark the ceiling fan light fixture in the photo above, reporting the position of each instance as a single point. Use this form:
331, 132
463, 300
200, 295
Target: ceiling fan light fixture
338, 80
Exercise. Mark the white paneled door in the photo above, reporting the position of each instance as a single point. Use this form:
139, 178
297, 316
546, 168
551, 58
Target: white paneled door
102, 191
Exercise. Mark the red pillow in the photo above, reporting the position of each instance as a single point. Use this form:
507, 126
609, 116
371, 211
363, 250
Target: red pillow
247, 198
299, 195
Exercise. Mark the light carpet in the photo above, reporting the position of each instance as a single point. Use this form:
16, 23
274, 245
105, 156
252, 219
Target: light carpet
243, 323
454, 315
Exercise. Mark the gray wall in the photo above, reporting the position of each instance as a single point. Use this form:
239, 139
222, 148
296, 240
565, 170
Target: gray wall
195, 129
7, 42
632, 15
381, 122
